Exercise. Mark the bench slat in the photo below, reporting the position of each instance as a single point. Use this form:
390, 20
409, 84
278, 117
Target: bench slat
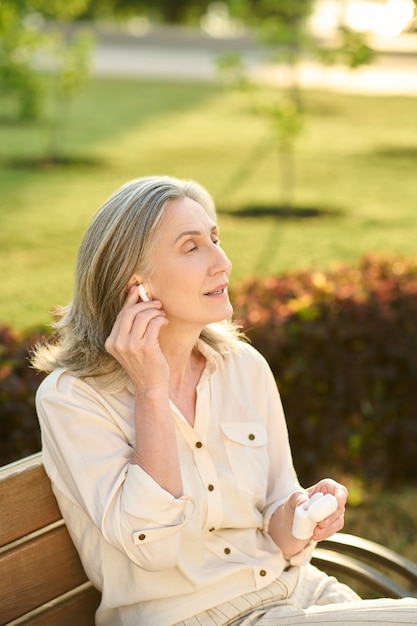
335, 563
76, 607
352, 545
35, 575
30, 502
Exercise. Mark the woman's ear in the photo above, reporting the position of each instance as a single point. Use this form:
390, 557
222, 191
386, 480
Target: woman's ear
135, 280
142, 287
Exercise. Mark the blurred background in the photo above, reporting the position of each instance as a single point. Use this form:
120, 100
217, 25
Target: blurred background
300, 109
300, 118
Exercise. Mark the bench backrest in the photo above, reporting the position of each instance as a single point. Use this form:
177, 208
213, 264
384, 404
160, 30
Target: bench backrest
42, 581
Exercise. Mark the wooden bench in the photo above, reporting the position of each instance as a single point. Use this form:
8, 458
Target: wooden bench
42, 582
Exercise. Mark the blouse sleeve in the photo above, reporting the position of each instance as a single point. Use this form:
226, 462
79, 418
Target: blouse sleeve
88, 459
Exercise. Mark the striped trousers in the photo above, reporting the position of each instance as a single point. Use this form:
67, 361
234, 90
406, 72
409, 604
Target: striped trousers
303, 596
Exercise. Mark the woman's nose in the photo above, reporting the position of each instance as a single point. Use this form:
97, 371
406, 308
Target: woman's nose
221, 262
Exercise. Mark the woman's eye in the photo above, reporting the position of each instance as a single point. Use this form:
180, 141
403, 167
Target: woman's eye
190, 246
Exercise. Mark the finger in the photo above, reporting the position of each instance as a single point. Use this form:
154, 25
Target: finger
151, 337
130, 327
132, 298
297, 498
147, 325
130, 313
324, 529
134, 325
328, 485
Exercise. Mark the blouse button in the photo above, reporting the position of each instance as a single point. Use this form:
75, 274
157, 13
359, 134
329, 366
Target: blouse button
262, 572
198, 444
142, 536
251, 436
227, 550
210, 487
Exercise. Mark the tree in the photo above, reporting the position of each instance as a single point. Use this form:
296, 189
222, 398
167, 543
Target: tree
168, 11
19, 42
25, 44
70, 72
281, 26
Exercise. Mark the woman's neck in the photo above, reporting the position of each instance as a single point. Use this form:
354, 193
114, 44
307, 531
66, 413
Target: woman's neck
178, 347
186, 365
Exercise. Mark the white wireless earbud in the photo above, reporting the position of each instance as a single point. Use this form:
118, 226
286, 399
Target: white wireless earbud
142, 293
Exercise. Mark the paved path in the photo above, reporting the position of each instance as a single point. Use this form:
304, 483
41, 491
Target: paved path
191, 55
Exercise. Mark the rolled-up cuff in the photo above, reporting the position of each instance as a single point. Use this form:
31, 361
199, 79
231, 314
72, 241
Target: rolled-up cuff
304, 556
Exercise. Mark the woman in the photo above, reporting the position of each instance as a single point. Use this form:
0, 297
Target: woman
164, 436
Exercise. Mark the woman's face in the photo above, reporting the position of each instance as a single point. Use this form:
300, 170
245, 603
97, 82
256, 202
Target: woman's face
191, 271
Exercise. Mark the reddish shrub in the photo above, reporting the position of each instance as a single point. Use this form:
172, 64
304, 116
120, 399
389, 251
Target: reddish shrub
343, 348
19, 430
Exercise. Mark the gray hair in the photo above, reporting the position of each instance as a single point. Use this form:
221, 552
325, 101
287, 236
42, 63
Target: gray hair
117, 244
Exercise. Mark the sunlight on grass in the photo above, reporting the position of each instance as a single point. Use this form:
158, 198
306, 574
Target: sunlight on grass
355, 165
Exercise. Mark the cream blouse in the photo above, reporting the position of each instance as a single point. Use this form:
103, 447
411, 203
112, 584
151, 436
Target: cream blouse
155, 558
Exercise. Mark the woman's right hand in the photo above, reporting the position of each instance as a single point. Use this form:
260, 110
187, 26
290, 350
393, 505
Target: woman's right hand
134, 342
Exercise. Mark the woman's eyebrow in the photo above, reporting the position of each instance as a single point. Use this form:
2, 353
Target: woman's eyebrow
193, 233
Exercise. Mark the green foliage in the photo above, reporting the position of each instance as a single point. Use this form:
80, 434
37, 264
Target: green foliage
24, 42
343, 348
278, 23
178, 12
19, 41
56, 9
73, 65
352, 50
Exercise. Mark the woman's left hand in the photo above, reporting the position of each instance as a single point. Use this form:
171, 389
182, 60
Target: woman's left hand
336, 520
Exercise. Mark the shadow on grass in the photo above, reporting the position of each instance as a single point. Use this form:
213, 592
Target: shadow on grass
282, 212
397, 152
50, 162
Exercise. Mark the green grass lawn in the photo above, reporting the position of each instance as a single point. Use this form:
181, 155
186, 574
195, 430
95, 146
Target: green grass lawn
387, 518
356, 163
